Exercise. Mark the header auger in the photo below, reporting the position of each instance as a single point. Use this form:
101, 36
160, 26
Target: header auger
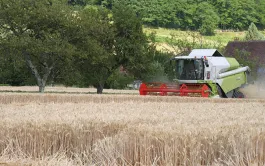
203, 73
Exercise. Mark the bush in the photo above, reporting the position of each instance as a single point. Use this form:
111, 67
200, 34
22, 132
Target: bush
119, 80
253, 33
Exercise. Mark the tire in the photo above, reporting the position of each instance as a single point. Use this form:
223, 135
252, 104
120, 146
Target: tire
220, 92
238, 94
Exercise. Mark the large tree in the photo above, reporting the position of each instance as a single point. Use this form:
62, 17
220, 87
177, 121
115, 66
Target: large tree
132, 48
109, 41
37, 31
93, 36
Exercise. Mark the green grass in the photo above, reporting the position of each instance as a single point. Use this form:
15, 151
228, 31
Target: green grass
225, 37
222, 37
4, 85
162, 33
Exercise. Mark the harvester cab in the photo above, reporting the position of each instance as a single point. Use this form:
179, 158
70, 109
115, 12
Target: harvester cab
203, 73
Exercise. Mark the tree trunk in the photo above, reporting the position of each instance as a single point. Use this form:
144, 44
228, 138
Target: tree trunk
41, 88
100, 87
41, 81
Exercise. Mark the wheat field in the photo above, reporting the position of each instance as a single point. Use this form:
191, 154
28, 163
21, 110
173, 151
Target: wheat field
65, 129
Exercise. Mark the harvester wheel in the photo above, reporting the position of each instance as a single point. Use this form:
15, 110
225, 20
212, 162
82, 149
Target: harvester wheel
238, 94
220, 92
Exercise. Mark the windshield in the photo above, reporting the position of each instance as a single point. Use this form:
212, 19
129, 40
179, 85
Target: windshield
190, 69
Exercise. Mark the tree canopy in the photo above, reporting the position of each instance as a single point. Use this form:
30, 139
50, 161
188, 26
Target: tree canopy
57, 42
188, 14
36, 31
97, 42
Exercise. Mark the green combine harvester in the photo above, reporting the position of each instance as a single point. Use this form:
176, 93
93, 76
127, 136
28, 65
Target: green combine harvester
203, 73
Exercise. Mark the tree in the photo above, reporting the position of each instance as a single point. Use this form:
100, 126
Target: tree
93, 36
131, 44
108, 42
260, 9
37, 31
206, 18
253, 33
234, 14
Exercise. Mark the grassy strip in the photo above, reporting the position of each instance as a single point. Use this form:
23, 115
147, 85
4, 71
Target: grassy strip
223, 37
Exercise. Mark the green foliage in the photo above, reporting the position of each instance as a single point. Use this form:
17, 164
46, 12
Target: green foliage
93, 36
131, 45
222, 37
189, 15
260, 13
83, 48
156, 73
119, 80
105, 43
206, 18
253, 33
38, 33
13, 70
244, 58
237, 14
161, 69
182, 45
85, 43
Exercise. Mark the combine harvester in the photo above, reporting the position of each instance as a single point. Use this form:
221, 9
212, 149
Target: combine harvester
203, 73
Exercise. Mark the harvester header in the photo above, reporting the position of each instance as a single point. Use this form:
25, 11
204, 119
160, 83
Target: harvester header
203, 73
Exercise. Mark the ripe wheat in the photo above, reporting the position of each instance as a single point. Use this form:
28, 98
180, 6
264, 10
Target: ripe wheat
50, 129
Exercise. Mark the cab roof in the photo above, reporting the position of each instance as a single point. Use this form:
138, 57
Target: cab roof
199, 53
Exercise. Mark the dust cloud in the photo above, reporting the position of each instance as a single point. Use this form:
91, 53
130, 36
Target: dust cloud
256, 89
